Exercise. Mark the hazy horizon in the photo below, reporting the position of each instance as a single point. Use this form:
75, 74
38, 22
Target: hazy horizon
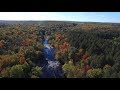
105, 17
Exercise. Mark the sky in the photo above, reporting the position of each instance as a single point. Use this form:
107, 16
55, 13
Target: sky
63, 16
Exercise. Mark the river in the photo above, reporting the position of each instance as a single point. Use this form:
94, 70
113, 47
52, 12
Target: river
53, 68
48, 50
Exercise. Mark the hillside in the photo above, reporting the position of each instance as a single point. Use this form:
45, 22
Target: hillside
62, 24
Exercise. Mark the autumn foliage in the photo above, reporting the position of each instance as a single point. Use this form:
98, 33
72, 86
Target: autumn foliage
1, 44
64, 47
87, 67
61, 43
83, 49
85, 56
59, 36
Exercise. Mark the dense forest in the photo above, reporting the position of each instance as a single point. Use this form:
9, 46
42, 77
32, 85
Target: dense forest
83, 49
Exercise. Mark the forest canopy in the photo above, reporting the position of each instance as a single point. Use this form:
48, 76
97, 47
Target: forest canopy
83, 49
